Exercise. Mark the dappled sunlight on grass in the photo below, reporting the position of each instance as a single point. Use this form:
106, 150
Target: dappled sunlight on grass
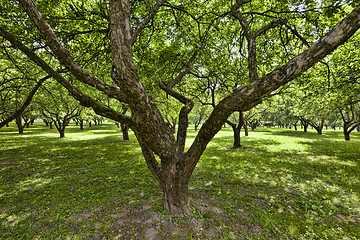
289, 184
324, 159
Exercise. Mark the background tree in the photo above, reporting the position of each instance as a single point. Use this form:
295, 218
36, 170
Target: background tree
19, 82
58, 106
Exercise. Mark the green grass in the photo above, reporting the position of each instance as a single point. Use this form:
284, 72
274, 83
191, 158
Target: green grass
284, 184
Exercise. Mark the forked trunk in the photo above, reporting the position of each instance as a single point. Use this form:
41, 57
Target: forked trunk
305, 127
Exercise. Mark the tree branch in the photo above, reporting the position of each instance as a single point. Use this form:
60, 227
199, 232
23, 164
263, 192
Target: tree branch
146, 20
26, 103
239, 3
185, 71
244, 97
84, 99
150, 159
265, 28
64, 55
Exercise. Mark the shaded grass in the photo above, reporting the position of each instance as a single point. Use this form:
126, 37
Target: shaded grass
283, 185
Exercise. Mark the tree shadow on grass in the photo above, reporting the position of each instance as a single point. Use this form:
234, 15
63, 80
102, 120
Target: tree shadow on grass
322, 180
76, 186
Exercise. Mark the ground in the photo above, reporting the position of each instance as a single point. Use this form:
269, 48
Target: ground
283, 184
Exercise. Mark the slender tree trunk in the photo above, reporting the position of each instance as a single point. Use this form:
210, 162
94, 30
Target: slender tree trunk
304, 123
346, 130
18, 122
90, 124
51, 125
236, 130
125, 131
62, 132
320, 127
237, 137
246, 129
305, 127
81, 124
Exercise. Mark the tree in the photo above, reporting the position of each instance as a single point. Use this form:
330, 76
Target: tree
198, 115
344, 86
125, 34
351, 118
18, 85
58, 107
237, 128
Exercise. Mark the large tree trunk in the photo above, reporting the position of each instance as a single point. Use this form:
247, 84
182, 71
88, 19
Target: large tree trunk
175, 195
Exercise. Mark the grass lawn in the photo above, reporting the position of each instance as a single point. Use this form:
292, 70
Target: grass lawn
283, 184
